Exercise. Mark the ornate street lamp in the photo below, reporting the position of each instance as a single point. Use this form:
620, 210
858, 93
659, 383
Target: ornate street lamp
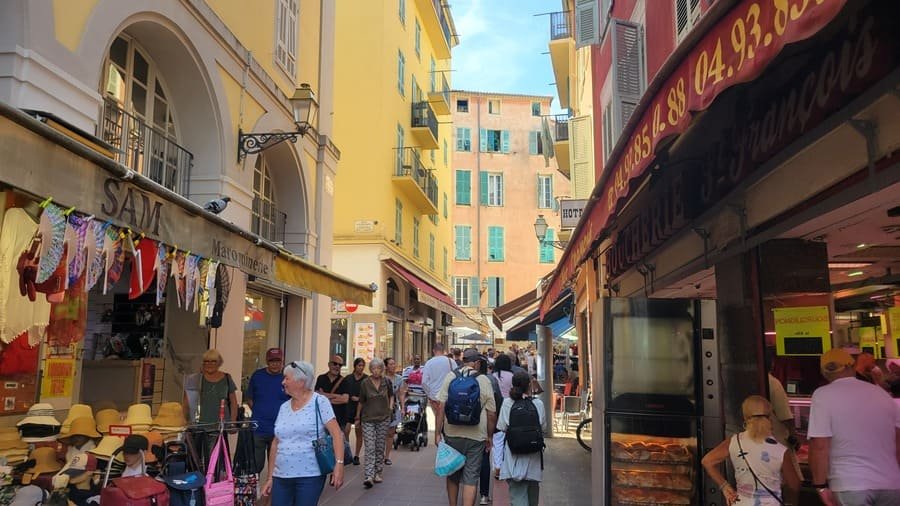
305, 108
540, 231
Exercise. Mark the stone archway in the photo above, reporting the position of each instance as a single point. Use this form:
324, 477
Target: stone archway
291, 195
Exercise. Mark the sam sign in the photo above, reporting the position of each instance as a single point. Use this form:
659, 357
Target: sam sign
351, 307
802, 330
570, 212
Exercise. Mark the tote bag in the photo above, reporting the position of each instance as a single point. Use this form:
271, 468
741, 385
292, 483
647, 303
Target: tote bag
222, 492
323, 446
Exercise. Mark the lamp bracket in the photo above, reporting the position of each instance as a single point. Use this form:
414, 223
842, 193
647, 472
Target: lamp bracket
252, 143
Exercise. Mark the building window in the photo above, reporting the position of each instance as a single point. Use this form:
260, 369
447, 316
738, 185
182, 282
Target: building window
495, 291
431, 251
445, 263
398, 222
491, 188
401, 11
267, 222
535, 143
494, 141
494, 106
401, 72
461, 290
463, 139
609, 135
463, 242
433, 74
536, 109
400, 143
445, 152
463, 187
462, 105
433, 218
416, 237
393, 293
446, 211
495, 244
286, 35
546, 253
418, 40
545, 192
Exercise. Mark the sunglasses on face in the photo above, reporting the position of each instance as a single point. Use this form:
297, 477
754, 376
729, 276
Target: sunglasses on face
336, 364
210, 361
751, 417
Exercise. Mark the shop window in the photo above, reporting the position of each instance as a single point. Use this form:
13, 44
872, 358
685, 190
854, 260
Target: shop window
268, 222
338, 341
262, 321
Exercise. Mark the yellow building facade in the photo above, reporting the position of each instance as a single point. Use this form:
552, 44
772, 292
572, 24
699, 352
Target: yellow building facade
166, 89
392, 222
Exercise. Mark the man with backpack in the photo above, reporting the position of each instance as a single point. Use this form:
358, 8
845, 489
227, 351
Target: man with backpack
433, 374
522, 417
467, 405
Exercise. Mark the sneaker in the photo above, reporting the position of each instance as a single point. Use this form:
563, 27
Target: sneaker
355, 461
367, 483
378, 478
388, 462
485, 500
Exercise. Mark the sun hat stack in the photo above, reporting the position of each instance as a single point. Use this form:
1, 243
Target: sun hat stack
39, 425
170, 418
107, 417
12, 448
139, 418
44, 462
76, 411
107, 447
83, 426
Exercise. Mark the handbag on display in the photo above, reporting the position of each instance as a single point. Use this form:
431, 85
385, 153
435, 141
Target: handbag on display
219, 492
246, 480
135, 491
323, 446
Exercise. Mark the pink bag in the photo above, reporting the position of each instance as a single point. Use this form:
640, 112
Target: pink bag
222, 492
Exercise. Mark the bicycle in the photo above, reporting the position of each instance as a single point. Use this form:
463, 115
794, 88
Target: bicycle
583, 434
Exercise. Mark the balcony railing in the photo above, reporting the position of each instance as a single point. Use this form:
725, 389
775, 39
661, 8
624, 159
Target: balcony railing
444, 90
561, 127
445, 26
145, 149
561, 25
409, 163
423, 116
268, 222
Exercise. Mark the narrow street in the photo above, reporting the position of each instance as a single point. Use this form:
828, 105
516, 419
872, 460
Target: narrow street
411, 480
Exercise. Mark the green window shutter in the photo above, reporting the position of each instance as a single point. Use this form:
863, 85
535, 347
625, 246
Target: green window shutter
505, 141
501, 298
463, 188
532, 143
492, 292
473, 292
495, 244
460, 245
468, 137
554, 204
482, 140
483, 187
547, 253
538, 186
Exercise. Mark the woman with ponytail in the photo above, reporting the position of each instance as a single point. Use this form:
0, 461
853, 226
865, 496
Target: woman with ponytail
522, 471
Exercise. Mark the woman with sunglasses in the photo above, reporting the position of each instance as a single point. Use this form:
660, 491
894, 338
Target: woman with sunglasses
295, 478
761, 464
205, 392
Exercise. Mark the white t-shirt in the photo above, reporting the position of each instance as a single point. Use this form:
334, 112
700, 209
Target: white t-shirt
765, 460
296, 431
520, 467
434, 372
861, 419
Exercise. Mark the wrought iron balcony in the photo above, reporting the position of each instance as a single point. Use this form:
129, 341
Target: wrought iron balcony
424, 125
440, 97
145, 149
416, 180
561, 25
267, 221
561, 128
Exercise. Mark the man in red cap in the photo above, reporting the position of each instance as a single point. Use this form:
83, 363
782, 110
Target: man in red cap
265, 395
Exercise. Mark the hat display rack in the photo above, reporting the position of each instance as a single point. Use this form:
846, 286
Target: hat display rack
102, 249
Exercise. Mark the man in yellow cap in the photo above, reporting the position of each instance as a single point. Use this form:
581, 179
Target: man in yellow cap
854, 429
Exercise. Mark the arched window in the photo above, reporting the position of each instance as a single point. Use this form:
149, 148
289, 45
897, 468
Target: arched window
268, 221
138, 119
393, 293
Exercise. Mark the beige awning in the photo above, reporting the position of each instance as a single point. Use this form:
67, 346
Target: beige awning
295, 271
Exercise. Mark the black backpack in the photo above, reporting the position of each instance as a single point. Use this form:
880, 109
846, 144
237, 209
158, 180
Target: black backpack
524, 434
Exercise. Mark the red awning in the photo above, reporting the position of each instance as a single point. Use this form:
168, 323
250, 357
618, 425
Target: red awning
428, 294
713, 65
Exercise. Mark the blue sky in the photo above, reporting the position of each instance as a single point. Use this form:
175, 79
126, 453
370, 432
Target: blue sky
502, 46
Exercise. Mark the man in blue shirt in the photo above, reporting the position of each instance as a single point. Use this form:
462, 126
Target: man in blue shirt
265, 395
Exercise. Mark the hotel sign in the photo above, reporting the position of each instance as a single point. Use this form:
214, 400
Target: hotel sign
570, 212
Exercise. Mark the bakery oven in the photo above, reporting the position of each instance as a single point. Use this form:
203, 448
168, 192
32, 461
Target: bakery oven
655, 392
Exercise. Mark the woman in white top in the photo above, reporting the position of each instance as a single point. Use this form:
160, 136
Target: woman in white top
503, 374
761, 464
295, 479
522, 472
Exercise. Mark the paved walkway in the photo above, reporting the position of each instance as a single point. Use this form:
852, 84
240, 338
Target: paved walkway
411, 480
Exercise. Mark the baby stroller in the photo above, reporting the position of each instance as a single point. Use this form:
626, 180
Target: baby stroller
413, 429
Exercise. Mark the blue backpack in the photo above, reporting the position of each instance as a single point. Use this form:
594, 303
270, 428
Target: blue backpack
463, 406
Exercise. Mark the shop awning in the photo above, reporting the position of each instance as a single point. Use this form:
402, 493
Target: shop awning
46, 162
658, 118
514, 307
429, 294
558, 319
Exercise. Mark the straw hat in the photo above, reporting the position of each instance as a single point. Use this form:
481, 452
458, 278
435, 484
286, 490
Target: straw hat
170, 417
108, 445
76, 411
44, 462
84, 426
107, 417
10, 440
139, 415
40, 414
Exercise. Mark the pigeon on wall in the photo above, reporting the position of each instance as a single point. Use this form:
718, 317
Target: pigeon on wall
216, 206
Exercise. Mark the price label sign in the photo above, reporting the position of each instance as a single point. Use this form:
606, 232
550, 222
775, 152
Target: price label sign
802, 330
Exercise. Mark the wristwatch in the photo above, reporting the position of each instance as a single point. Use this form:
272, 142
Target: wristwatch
338, 461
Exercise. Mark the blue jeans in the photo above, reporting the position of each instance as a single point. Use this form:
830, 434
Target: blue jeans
297, 491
